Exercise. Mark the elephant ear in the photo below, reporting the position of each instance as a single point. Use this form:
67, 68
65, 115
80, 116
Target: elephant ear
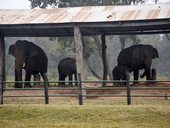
12, 50
136, 53
33, 51
155, 53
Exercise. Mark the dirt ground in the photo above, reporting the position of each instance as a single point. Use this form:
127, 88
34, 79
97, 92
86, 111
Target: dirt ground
93, 89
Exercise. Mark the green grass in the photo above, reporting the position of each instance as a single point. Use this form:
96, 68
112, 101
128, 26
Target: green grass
103, 113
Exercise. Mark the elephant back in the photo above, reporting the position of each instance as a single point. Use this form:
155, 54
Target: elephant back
125, 57
37, 60
67, 66
137, 56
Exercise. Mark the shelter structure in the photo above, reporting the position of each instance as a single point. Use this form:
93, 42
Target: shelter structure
78, 21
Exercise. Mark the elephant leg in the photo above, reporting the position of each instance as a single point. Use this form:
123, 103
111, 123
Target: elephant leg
36, 78
18, 77
117, 79
136, 76
124, 78
75, 76
143, 75
27, 78
45, 78
148, 74
148, 63
19, 61
70, 79
61, 78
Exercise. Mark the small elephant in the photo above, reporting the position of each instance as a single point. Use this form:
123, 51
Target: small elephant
138, 57
119, 73
32, 56
67, 67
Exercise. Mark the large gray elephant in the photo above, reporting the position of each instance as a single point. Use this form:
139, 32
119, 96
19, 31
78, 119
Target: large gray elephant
138, 57
67, 67
30, 57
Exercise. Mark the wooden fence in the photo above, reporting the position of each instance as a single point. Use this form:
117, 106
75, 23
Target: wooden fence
81, 89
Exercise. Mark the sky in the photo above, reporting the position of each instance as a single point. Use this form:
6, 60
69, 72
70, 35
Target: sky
25, 4
14, 4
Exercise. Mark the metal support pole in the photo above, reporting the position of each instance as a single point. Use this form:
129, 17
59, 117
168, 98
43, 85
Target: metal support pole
80, 90
46, 89
128, 89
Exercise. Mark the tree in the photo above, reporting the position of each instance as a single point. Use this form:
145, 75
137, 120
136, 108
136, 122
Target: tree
75, 3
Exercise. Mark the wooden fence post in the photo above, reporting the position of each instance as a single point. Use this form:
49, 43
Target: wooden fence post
46, 89
128, 88
80, 90
2, 67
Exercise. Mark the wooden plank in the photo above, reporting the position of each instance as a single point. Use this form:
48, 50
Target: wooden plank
2, 67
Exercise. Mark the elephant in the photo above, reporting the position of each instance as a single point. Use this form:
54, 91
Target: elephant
30, 57
67, 67
36, 76
138, 57
119, 73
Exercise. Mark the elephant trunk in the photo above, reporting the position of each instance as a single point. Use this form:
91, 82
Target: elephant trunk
18, 77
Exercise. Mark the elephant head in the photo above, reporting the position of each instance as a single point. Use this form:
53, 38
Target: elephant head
119, 73
141, 52
28, 54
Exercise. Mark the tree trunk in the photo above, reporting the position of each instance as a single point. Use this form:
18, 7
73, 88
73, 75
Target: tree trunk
79, 54
104, 47
85, 57
99, 48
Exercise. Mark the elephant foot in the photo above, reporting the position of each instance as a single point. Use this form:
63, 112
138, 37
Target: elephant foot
117, 85
62, 85
135, 83
18, 86
27, 86
141, 76
70, 85
148, 84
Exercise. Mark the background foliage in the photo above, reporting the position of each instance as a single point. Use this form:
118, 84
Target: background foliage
57, 49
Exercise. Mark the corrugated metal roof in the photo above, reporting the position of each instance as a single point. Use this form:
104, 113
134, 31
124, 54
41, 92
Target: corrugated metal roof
85, 14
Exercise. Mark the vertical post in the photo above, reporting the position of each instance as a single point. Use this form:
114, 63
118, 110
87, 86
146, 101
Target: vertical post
1, 89
128, 89
2, 67
166, 96
46, 89
104, 47
79, 54
80, 90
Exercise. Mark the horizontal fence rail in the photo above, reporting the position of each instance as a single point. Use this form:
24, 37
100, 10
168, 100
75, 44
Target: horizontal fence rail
79, 90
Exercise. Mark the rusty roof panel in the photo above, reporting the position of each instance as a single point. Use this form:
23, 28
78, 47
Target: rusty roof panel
85, 14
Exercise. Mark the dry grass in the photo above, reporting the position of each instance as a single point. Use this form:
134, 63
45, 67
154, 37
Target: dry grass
87, 116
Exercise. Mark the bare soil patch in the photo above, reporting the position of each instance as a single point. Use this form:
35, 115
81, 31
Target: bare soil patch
94, 89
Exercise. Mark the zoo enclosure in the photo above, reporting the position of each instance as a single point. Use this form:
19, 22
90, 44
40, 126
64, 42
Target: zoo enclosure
132, 20
81, 90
